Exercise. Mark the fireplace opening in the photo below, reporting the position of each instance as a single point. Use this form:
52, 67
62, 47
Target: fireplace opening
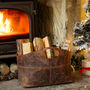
17, 21
13, 22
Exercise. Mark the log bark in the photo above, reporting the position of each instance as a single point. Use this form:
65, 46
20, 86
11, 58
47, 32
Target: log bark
38, 45
13, 68
24, 46
19, 47
4, 69
8, 73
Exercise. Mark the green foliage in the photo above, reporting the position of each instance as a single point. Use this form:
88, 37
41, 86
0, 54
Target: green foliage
76, 61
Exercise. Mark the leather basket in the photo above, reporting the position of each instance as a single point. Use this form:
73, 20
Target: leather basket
36, 70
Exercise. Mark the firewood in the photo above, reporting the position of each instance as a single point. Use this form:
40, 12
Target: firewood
6, 73
13, 68
27, 48
38, 45
19, 47
4, 69
1, 77
13, 75
25, 40
56, 52
24, 46
9, 76
47, 44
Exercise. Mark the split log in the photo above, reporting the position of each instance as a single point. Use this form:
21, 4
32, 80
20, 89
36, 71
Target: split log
19, 47
4, 69
13, 68
27, 48
24, 46
47, 44
56, 52
38, 45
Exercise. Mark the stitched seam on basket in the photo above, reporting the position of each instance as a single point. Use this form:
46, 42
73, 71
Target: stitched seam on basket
48, 67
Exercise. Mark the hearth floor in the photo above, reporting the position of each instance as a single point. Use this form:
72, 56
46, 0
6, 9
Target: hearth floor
82, 83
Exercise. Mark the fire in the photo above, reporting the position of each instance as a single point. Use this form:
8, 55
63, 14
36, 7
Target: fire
13, 23
4, 25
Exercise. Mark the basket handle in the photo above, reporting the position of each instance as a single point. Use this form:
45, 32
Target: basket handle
52, 48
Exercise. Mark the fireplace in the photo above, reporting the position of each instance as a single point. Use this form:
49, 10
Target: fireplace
17, 21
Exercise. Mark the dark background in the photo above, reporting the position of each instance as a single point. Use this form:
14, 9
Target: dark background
15, 0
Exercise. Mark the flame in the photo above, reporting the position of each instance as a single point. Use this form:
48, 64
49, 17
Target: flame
4, 25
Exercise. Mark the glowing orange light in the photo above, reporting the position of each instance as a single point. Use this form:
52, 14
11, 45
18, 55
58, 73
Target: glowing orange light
13, 23
4, 25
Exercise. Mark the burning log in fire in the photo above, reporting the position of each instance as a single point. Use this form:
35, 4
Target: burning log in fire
9, 19
4, 25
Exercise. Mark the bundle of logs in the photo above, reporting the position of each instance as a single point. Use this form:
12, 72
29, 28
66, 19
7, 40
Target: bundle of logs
24, 46
8, 72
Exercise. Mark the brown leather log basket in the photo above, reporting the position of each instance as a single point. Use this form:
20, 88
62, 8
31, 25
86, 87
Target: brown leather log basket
36, 70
